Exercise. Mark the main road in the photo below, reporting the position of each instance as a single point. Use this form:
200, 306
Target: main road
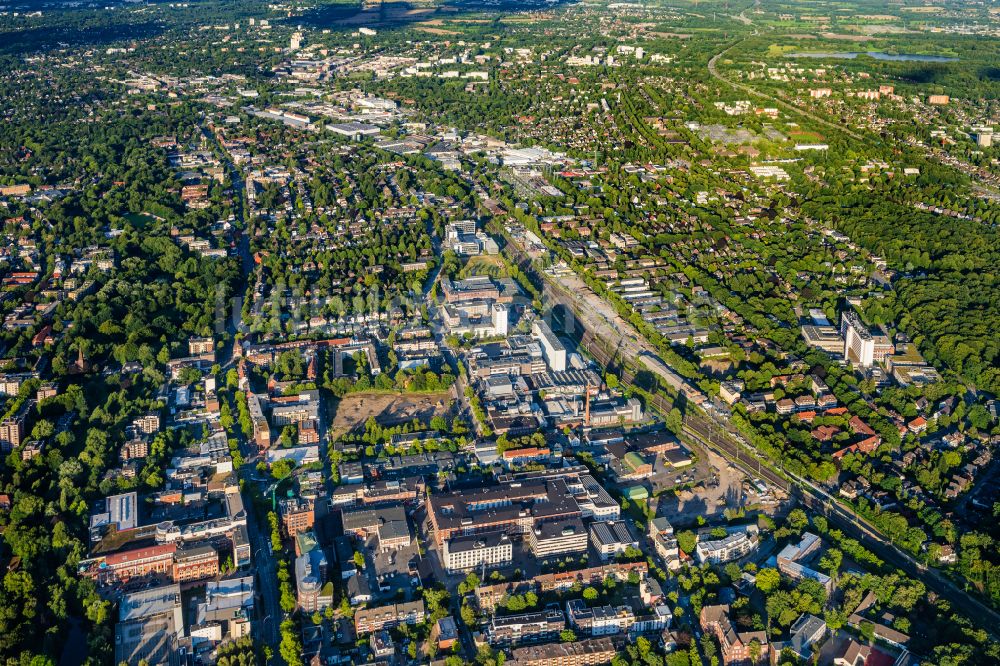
263, 564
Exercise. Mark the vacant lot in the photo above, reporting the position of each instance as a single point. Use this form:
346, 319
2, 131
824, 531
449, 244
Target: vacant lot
709, 500
389, 409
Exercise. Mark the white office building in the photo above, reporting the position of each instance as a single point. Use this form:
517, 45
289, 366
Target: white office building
552, 347
474, 551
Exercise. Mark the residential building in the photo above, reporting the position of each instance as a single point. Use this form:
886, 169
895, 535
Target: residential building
529, 454
738, 648
661, 533
148, 424
653, 622
444, 633
732, 547
261, 429
537, 627
599, 620
804, 633
852, 654
367, 620
14, 428
587, 652
295, 410
382, 645
135, 449
200, 346
313, 593
297, 515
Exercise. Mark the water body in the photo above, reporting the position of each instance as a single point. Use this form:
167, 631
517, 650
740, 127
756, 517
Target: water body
876, 55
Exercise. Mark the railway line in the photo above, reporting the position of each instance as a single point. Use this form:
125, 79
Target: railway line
711, 430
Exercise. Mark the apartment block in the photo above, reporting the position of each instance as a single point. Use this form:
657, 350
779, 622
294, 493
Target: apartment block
368, 620
588, 652
599, 620
297, 515
526, 628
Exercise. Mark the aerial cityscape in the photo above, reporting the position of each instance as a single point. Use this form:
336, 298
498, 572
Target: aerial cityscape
499, 332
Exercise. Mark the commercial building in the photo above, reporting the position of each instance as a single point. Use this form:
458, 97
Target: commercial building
552, 348
861, 346
558, 537
827, 338
130, 564
388, 524
790, 565
587, 652
226, 611
612, 538
594, 501
525, 628
514, 507
119, 513
195, 563
614, 411
476, 551
150, 627
300, 455
480, 319
477, 287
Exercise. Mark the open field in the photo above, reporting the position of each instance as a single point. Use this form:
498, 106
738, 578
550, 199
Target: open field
389, 409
